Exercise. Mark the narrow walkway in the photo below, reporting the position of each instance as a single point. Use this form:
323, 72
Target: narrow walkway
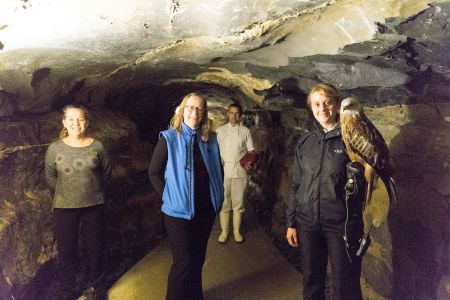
252, 270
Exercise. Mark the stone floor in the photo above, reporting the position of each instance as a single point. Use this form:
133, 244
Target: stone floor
252, 270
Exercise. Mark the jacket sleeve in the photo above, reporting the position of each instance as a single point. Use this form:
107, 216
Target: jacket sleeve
294, 184
158, 165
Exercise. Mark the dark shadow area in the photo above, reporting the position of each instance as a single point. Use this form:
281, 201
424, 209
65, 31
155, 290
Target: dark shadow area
284, 93
151, 106
419, 225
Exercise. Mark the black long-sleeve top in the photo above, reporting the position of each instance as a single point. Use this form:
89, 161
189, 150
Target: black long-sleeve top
158, 165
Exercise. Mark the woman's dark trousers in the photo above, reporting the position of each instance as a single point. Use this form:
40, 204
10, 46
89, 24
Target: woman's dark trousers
315, 247
87, 222
188, 240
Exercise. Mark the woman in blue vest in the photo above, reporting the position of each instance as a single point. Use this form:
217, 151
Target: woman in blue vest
186, 170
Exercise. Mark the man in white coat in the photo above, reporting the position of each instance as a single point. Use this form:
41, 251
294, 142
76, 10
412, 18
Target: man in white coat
234, 141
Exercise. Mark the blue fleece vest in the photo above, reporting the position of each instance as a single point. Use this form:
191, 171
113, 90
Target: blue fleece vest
178, 194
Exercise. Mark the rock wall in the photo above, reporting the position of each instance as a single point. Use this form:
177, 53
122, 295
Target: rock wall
27, 245
400, 74
409, 254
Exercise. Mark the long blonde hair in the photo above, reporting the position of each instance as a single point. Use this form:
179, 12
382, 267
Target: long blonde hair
63, 133
177, 118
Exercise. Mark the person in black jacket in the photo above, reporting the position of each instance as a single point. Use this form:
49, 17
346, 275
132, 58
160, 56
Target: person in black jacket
316, 214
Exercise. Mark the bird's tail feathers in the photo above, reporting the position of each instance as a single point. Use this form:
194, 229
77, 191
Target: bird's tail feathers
389, 182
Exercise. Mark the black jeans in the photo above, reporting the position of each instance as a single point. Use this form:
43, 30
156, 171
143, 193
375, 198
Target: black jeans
315, 247
188, 240
69, 222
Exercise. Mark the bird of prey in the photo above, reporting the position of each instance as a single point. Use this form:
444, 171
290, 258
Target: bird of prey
366, 145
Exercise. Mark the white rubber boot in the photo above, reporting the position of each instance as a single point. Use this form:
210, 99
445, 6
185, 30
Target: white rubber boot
237, 220
224, 218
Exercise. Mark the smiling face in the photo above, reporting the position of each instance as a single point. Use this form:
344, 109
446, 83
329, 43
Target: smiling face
75, 122
325, 109
194, 111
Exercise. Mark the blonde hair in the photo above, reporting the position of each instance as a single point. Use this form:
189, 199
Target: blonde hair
177, 118
63, 133
325, 89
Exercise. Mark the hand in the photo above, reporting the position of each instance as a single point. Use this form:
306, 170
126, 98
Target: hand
248, 167
291, 236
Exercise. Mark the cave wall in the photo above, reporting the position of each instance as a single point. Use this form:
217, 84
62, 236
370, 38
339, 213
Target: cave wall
408, 257
27, 245
398, 67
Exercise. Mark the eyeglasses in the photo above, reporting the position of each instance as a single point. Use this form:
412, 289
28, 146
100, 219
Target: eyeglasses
191, 108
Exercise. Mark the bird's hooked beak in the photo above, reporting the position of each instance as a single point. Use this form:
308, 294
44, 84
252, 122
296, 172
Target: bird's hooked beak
351, 107
345, 104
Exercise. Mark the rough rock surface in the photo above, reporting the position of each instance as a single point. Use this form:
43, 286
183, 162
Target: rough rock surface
409, 251
393, 55
27, 246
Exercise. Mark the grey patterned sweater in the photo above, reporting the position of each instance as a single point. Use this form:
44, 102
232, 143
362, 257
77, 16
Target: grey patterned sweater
78, 174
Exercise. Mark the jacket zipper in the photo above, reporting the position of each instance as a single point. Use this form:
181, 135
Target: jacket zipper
191, 177
322, 143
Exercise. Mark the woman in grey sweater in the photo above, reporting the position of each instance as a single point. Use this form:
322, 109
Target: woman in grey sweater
77, 166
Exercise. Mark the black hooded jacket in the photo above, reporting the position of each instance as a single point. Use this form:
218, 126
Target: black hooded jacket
317, 180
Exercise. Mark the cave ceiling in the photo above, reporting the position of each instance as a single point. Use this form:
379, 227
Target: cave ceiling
265, 53
131, 62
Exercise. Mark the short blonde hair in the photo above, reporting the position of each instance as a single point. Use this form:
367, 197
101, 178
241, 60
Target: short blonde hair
325, 89
177, 118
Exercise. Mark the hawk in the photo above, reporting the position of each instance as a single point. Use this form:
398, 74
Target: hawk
366, 145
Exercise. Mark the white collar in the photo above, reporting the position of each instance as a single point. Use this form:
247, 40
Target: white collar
328, 130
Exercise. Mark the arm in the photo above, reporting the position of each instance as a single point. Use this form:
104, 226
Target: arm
50, 169
294, 184
250, 148
105, 166
158, 165
249, 142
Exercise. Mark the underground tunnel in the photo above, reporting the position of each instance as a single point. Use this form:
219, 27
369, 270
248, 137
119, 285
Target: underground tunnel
130, 63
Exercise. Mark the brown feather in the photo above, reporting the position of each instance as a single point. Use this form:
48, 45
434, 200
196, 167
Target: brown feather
366, 145
366, 142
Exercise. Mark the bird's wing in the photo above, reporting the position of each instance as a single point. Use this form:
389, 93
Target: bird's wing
366, 141
345, 137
